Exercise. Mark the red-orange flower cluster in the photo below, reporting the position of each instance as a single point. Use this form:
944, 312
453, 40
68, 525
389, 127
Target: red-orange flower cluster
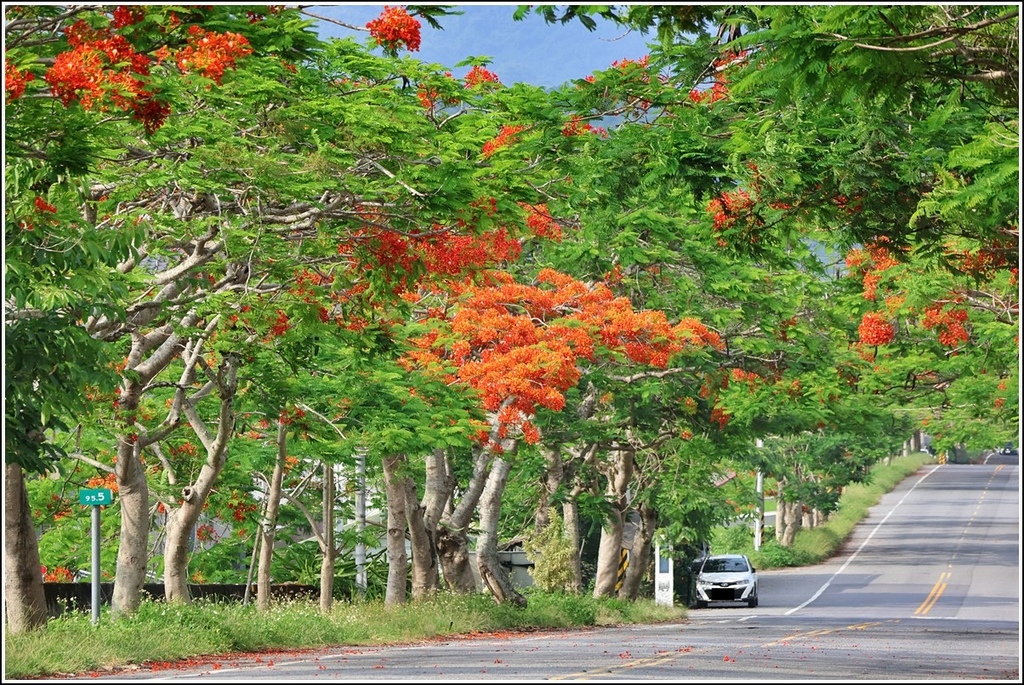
577, 127
44, 206
719, 90
15, 80
125, 15
869, 263
875, 329
720, 416
59, 574
104, 69
520, 345
395, 28
541, 223
625, 63
479, 75
506, 136
96, 67
986, 260
454, 254
948, 322
727, 209
210, 54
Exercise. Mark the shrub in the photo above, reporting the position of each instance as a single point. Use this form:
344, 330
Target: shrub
552, 554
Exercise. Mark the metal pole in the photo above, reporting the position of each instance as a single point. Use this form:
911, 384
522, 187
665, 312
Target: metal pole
360, 523
95, 564
759, 523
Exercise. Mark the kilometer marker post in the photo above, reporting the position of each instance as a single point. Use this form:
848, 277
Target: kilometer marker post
95, 498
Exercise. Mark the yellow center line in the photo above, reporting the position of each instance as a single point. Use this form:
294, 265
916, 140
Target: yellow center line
933, 596
666, 657
816, 633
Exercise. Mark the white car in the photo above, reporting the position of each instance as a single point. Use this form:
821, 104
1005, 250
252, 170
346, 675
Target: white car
726, 578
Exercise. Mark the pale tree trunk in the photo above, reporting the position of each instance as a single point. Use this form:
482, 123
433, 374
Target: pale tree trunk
571, 510
792, 514
133, 547
571, 524
609, 555
453, 554
24, 599
780, 517
619, 474
327, 543
398, 561
182, 521
452, 543
568, 473
640, 555
494, 577
423, 518
268, 526
551, 480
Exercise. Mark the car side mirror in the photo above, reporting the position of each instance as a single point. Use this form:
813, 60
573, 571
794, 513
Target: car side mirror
753, 570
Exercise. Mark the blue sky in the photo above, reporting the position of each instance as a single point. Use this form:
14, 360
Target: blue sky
528, 51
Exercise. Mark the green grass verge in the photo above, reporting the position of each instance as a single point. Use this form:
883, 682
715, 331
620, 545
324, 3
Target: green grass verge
161, 633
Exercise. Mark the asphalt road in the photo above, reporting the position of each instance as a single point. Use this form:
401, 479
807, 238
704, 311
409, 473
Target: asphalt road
927, 588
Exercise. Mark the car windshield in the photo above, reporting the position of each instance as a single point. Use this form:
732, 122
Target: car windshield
725, 566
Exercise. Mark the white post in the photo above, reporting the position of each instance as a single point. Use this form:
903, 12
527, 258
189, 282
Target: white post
759, 523
360, 552
95, 564
663, 582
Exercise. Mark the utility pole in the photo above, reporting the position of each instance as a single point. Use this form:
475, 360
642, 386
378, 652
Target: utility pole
360, 522
759, 522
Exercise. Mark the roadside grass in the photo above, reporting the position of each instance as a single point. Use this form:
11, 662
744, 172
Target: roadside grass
161, 634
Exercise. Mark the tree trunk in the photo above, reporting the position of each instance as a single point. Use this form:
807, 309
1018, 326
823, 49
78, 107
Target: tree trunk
571, 508
133, 547
641, 552
268, 526
452, 542
24, 599
792, 513
619, 473
327, 544
398, 562
494, 577
423, 519
571, 524
609, 555
453, 553
551, 481
181, 522
780, 514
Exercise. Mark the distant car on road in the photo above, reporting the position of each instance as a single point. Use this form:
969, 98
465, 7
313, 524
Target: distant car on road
726, 578
1008, 448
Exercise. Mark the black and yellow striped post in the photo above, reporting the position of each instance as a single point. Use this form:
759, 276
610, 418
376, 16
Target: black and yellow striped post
623, 564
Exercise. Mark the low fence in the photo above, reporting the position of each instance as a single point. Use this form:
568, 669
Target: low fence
63, 597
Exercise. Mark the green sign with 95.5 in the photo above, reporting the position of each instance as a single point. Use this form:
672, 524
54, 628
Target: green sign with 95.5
95, 496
